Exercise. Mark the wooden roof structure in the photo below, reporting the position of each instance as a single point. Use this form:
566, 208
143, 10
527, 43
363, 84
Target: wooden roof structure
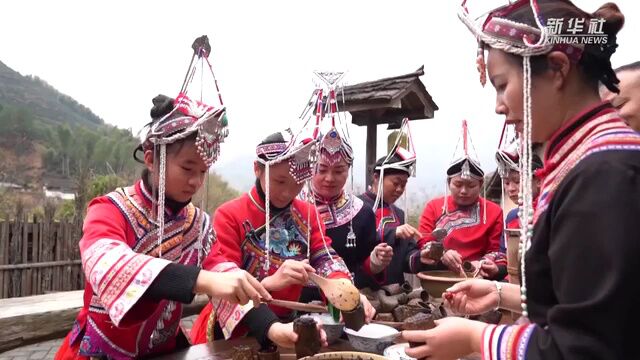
386, 101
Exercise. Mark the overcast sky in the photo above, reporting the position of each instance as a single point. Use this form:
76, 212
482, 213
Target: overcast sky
114, 56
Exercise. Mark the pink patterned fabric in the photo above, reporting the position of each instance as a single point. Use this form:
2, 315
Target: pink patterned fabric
119, 257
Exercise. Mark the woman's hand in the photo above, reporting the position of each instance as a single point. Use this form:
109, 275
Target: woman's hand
472, 297
452, 338
425, 257
236, 286
381, 257
488, 269
284, 336
291, 272
452, 260
407, 232
369, 310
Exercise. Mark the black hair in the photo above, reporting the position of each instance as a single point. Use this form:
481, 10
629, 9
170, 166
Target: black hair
595, 63
389, 171
162, 105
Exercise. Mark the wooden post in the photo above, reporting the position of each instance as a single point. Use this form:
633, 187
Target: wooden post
372, 134
26, 273
16, 256
35, 256
47, 238
59, 270
4, 245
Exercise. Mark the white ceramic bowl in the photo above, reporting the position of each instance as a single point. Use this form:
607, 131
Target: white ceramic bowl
373, 338
396, 352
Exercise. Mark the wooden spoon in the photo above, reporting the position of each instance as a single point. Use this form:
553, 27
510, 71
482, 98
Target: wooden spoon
340, 292
297, 306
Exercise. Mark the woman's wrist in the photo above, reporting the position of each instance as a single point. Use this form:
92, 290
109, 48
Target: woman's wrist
266, 283
498, 294
202, 283
476, 330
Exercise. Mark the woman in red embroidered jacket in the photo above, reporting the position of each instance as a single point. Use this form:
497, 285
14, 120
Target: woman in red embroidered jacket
140, 268
473, 224
580, 286
295, 240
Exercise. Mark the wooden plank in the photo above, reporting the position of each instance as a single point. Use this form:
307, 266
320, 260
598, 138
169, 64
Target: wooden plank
16, 256
370, 160
38, 318
7, 274
40, 265
76, 255
40, 254
63, 271
57, 271
44, 253
65, 255
3, 242
35, 279
26, 274
50, 254
223, 349
68, 255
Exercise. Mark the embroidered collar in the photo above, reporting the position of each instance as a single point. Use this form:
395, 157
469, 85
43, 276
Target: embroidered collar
562, 134
172, 207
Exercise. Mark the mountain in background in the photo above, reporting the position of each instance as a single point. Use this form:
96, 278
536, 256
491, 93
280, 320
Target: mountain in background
45, 103
47, 137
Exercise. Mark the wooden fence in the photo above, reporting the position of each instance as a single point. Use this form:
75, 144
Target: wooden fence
39, 257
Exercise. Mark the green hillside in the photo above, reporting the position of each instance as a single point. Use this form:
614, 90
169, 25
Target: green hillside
45, 134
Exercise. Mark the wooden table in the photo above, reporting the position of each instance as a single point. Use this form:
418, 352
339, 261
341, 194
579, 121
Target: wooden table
221, 349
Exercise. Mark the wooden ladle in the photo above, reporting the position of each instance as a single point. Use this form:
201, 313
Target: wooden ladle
293, 305
340, 292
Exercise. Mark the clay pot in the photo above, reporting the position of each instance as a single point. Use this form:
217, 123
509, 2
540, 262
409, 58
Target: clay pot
418, 294
403, 299
419, 322
406, 287
387, 303
404, 311
468, 267
354, 319
385, 317
440, 312
392, 289
308, 343
435, 250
